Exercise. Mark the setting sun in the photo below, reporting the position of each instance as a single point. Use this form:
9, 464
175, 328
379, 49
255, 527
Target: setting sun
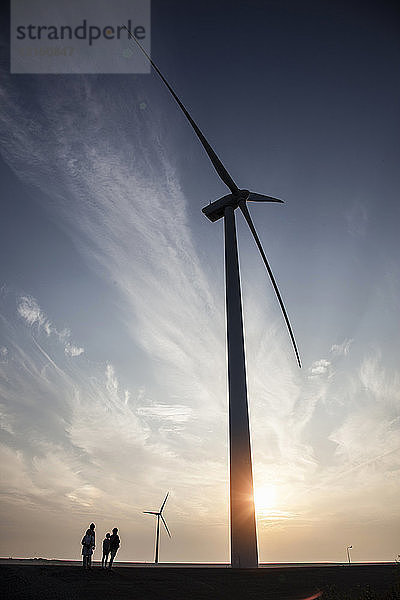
265, 499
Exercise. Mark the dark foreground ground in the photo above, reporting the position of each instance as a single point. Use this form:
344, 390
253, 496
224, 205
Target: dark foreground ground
44, 582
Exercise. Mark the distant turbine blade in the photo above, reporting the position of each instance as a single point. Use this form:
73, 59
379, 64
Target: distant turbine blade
248, 218
165, 525
163, 504
219, 167
253, 197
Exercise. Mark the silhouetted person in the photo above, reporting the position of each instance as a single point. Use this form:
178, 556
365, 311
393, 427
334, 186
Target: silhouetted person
92, 527
106, 551
88, 545
114, 545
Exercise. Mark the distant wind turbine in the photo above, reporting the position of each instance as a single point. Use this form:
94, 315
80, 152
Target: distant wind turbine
159, 516
244, 552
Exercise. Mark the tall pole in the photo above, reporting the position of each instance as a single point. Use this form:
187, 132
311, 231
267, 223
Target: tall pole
157, 537
348, 553
244, 553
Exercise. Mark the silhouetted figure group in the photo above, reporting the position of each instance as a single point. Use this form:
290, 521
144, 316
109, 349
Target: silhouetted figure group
111, 543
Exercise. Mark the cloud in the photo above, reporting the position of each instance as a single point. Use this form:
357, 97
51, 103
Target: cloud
319, 367
3, 354
140, 240
177, 413
112, 382
81, 413
375, 416
71, 350
29, 310
342, 349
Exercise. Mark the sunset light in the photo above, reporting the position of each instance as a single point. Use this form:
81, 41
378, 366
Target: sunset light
265, 500
114, 329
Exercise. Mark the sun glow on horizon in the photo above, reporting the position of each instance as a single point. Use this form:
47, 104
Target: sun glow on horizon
268, 505
265, 499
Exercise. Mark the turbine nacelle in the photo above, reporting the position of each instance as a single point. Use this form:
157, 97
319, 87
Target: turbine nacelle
216, 210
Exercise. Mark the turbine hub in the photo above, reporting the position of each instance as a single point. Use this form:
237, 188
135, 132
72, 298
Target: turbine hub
244, 194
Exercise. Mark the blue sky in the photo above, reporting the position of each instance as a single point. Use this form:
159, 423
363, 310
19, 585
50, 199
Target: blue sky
112, 326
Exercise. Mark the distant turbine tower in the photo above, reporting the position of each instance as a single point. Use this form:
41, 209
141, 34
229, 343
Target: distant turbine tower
159, 516
244, 553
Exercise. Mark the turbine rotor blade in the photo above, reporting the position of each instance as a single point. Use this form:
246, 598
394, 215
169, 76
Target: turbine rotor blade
248, 218
165, 525
163, 504
253, 197
149, 512
219, 167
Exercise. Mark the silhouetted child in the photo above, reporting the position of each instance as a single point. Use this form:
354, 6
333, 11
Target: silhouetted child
114, 545
106, 551
88, 544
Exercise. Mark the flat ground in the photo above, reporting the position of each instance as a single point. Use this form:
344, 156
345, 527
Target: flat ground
54, 582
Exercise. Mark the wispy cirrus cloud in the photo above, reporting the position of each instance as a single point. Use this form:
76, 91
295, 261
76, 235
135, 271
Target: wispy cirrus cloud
375, 416
342, 349
319, 367
177, 413
71, 350
128, 217
80, 434
29, 310
3, 353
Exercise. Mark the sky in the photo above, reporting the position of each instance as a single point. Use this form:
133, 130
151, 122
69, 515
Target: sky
112, 321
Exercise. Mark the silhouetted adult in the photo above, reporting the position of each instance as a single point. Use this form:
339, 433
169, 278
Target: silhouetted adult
114, 545
92, 527
106, 551
88, 545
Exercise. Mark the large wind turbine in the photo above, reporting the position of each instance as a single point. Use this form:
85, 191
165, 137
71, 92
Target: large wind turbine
159, 516
244, 552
